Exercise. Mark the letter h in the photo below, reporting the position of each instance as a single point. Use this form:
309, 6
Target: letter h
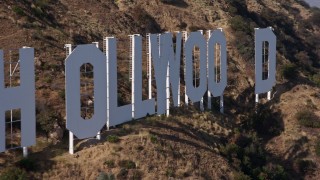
21, 97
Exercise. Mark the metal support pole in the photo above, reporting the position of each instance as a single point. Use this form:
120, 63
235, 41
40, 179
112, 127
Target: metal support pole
71, 149
221, 105
185, 37
98, 137
132, 72
25, 149
168, 92
108, 94
201, 101
257, 98
179, 87
149, 67
209, 93
221, 97
25, 152
269, 95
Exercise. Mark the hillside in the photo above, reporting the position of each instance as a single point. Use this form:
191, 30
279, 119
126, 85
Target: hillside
274, 140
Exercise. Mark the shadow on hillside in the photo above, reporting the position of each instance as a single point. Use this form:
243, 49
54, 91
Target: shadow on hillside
43, 158
178, 3
186, 134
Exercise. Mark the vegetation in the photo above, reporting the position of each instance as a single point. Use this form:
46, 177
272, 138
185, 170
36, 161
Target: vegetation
307, 118
305, 166
46, 120
105, 176
113, 139
109, 163
18, 11
246, 152
289, 71
317, 148
27, 164
127, 164
153, 139
13, 173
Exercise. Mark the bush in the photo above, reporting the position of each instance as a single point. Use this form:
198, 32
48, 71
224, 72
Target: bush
13, 173
153, 139
308, 118
62, 95
136, 174
170, 172
316, 79
46, 120
105, 176
238, 23
127, 164
27, 164
113, 139
317, 147
274, 171
305, 166
241, 176
18, 10
289, 71
122, 174
109, 163
315, 18
263, 122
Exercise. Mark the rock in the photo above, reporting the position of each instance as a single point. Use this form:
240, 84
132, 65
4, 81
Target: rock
56, 134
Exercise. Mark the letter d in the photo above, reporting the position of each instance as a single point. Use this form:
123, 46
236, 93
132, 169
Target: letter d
261, 35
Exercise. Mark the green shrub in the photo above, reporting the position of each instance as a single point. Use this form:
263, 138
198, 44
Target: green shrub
105, 176
289, 71
13, 173
127, 164
18, 11
316, 79
27, 164
305, 166
46, 119
153, 139
308, 118
170, 172
317, 147
274, 171
241, 176
238, 23
136, 174
113, 139
109, 163
194, 28
122, 174
62, 94
263, 122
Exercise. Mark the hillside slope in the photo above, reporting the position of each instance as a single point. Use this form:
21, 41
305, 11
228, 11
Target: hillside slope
275, 143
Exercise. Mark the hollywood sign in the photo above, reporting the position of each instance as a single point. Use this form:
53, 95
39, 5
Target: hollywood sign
166, 60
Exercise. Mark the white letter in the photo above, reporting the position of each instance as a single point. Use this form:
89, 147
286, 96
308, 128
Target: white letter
140, 108
75, 123
214, 87
166, 60
196, 93
22, 97
117, 115
261, 35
